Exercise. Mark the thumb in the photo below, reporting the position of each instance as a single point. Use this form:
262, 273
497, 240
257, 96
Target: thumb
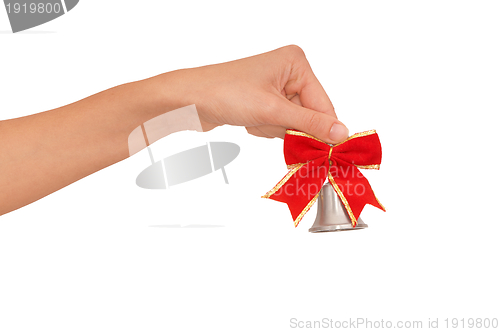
323, 126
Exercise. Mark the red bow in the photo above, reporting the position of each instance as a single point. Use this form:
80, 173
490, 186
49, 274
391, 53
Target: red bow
311, 161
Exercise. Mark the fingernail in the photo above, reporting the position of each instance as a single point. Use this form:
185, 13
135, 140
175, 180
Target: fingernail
339, 132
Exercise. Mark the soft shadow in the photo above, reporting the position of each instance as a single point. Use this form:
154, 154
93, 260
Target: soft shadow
29, 32
187, 226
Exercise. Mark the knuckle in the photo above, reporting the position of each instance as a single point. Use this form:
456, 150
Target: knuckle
295, 51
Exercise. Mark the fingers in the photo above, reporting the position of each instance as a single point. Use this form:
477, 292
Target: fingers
295, 99
323, 126
304, 83
267, 131
314, 97
273, 131
256, 132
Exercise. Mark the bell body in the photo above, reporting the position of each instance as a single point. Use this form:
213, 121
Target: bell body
332, 215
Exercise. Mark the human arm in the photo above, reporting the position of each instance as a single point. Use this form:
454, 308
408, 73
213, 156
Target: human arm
45, 152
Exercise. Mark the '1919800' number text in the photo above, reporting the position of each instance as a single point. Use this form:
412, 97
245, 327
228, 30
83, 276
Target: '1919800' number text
33, 8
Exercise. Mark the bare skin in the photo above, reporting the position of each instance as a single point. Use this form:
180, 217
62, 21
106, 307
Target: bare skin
266, 93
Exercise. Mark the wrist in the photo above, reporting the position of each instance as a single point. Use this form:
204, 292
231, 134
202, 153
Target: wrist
179, 89
162, 108
169, 91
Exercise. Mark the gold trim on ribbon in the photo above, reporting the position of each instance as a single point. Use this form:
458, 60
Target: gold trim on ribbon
295, 165
377, 166
308, 206
282, 182
300, 133
344, 200
357, 135
383, 207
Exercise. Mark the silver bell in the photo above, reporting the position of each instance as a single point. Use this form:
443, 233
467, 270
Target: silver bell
332, 215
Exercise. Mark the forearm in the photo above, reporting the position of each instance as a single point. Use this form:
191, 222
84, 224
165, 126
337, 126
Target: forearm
45, 152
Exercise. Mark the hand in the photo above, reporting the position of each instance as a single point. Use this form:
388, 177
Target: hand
266, 93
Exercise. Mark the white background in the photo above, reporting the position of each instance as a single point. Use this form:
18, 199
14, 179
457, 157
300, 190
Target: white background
424, 74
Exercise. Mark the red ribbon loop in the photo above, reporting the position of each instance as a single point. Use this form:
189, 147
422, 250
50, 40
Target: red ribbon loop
311, 161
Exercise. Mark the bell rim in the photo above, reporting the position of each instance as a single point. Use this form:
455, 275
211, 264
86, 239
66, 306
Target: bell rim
336, 228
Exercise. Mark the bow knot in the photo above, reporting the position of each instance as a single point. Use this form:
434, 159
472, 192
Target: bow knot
311, 161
